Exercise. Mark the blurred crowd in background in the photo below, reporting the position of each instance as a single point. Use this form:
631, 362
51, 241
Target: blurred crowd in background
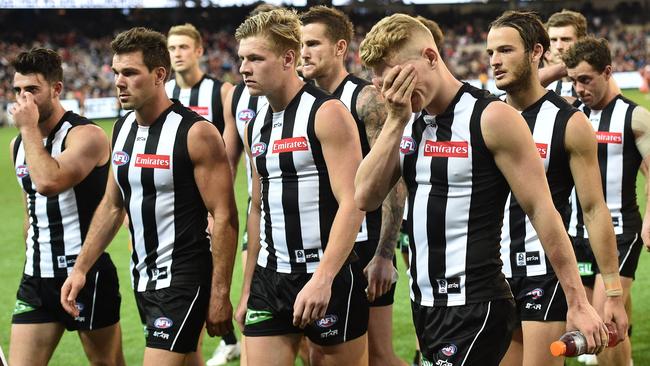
83, 39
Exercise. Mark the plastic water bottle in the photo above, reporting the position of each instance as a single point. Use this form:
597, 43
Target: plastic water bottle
574, 343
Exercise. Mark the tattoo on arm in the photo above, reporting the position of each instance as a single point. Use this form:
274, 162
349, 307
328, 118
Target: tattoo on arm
372, 111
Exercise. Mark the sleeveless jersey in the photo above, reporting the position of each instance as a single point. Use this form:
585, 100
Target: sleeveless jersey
204, 98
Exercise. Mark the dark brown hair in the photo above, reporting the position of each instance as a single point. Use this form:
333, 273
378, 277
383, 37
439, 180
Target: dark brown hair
40, 61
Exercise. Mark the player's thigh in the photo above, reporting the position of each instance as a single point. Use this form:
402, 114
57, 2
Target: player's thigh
103, 346
161, 357
380, 330
514, 355
278, 350
352, 353
33, 344
537, 338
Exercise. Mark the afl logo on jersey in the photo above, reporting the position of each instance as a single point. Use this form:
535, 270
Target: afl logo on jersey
246, 115
22, 171
407, 146
120, 158
258, 149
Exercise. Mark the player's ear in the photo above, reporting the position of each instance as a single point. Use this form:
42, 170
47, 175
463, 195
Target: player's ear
432, 56
289, 59
341, 47
161, 75
58, 88
538, 53
608, 72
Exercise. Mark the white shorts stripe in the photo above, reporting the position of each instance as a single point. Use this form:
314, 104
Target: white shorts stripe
478, 334
557, 284
92, 309
189, 310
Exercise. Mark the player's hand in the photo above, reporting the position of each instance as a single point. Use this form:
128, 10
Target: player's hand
645, 234
219, 319
380, 274
25, 111
242, 308
397, 89
69, 291
614, 312
311, 302
584, 318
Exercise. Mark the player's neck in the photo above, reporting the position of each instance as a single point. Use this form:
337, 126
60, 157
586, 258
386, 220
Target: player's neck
57, 113
189, 78
609, 96
330, 82
150, 111
280, 99
447, 88
526, 94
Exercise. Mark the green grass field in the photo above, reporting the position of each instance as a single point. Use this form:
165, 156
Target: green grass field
69, 351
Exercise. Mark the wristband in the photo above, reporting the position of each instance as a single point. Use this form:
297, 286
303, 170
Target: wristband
613, 285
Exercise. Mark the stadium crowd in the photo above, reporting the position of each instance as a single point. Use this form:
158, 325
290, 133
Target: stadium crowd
87, 56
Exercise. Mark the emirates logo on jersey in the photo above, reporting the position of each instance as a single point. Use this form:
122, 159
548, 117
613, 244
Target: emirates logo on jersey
407, 145
22, 171
246, 115
120, 158
542, 149
258, 149
446, 149
604, 137
152, 161
290, 144
201, 111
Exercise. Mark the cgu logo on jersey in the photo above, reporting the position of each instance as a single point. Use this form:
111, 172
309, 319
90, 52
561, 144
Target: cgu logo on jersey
22, 171
246, 115
604, 137
290, 144
542, 149
446, 149
407, 146
120, 158
258, 149
152, 161
201, 111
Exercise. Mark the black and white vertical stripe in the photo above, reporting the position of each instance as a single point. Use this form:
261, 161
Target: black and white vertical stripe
167, 217
204, 98
298, 205
57, 224
244, 108
348, 92
563, 88
522, 253
619, 161
456, 199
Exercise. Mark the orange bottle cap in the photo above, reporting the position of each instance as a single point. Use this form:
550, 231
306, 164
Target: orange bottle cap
558, 348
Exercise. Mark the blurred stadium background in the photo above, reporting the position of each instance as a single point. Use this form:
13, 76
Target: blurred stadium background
82, 30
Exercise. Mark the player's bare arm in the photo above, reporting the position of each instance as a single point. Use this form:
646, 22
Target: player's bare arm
24, 200
106, 221
552, 72
379, 170
213, 179
581, 144
507, 136
86, 147
380, 270
337, 132
253, 228
234, 146
641, 128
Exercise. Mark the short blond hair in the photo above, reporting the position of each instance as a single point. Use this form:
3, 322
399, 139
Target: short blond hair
188, 30
569, 18
280, 26
389, 36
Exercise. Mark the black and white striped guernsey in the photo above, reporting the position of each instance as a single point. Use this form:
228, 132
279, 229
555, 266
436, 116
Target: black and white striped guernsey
456, 196
204, 98
522, 253
619, 162
167, 216
244, 108
348, 92
298, 205
563, 88
57, 224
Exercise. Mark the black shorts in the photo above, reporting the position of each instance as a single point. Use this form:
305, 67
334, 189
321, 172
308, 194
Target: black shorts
39, 299
539, 298
173, 317
365, 250
474, 334
403, 238
629, 250
271, 299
